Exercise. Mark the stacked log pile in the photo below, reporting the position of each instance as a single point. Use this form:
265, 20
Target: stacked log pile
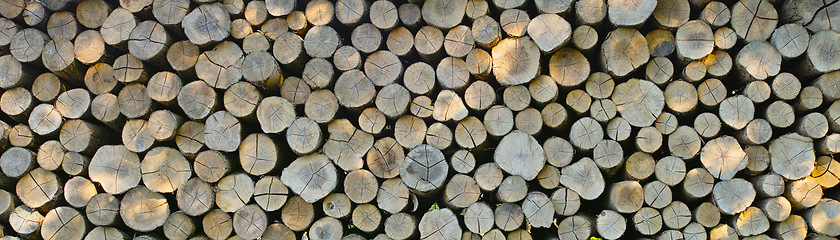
435, 119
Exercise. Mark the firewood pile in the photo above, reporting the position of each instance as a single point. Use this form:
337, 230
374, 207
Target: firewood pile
412, 119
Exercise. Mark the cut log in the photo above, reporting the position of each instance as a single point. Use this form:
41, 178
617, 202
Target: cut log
17, 161
666, 123
676, 215
75, 163
305, 169
14, 73
543, 89
716, 14
21, 136
707, 214
101, 168
638, 165
681, 96
17, 103
626, 196
794, 227
575, 227
647, 220
512, 189
400, 41
718, 64
63, 223
47, 87
754, 20
670, 170
632, 13
515, 61
684, 142
337, 205
486, 31
478, 218
820, 61
220, 67
803, 193
639, 102
190, 138
769, 185
367, 218
695, 40
792, 156
538, 209
392, 100
34, 14
148, 42
549, 31
234, 192
208, 23
400, 226
515, 159
304, 136
278, 231
79, 191
508, 216
250, 222
56, 57
297, 214
624, 51
178, 226
584, 178
777, 209
568, 67
723, 231
586, 133
347, 144
826, 172
737, 111
810, 98
757, 91
62, 25
758, 61
791, 40
326, 228
25, 221
129, 69
136, 136
102, 209
143, 210
698, 183
648, 139
295, 90
518, 97
723, 157
444, 14
707, 125
366, 38
164, 170
260, 69
217, 224
733, 196
529, 120
608, 154
195, 197
439, 135
100, 78
604, 110
657, 194
182, 56
424, 169
610, 224
823, 216
27, 45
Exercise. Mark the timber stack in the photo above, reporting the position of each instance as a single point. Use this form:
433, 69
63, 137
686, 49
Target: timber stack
413, 119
